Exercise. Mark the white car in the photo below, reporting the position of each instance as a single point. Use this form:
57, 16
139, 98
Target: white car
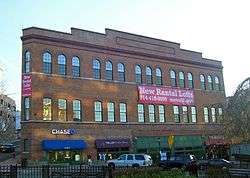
131, 160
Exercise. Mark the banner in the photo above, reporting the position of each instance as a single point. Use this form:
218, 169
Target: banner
26, 85
165, 95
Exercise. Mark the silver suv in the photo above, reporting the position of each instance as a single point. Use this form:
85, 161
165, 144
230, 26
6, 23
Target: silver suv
132, 160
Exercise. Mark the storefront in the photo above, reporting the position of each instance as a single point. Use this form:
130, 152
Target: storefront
111, 148
64, 151
216, 147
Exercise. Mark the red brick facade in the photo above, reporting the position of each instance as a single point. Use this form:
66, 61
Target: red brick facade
115, 46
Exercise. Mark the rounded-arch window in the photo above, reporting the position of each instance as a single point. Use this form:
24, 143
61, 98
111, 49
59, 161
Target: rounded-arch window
121, 72
216, 83
75, 67
138, 74
109, 72
210, 82
61, 64
173, 78
148, 75
181, 79
190, 80
202, 82
47, 63
96, 69
158, 76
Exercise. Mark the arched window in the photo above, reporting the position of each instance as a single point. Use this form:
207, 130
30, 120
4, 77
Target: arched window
75, 67
109, 71
148, 75
181, 79
96, 69
121, 72
27, 59
158, 76
77, 110
47, 63
190, 80
209, 82
61, 64
173, 78
216, 83
202, 82
137, 74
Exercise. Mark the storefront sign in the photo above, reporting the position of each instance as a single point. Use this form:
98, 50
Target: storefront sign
165, 95
26, 85
112, 143
63, 131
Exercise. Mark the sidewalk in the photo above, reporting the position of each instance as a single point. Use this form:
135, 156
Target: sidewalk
10, 161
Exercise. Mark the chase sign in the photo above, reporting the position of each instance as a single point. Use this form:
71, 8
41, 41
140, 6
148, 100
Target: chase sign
63, 131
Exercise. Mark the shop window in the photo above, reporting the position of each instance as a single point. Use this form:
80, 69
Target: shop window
140, 109
26, 108
173, 78
176, 114
181, 80
62, 109
109, 71
138, 76
206, 116
61, 61
213, 115
111, 112
190, 80
193, 114
210, 83
98, 111
216, 83
123, 112
202, 82
121, 72
158, 76
96, 69
27, 59
47, 109
161, 113
77, 110
185, 114
47, 63
151, 113
148, 75
75, 67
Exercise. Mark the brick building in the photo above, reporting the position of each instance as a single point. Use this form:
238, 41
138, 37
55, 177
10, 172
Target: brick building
87, 93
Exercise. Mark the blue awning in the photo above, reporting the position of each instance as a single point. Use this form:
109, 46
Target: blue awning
63, 145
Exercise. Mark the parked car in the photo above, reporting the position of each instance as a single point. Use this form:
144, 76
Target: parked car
7, 148
131, 160
215, 163
180, 161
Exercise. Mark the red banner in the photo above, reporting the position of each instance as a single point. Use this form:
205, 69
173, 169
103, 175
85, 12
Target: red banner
165, 95
26, 85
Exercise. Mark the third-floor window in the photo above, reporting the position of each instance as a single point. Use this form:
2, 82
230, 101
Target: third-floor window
75, 67
209, 83
138, 78
47, 63
158, 76
96, 69
27, 60
148, 75
216, 83
173, 78
61, 64
190, 80
109, 71
202, 82
121, 72
181, 79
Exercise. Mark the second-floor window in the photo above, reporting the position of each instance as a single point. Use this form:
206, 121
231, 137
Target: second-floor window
173, 78
209, 83
138, 78
26, 108
206, 116
176, 114
47, 109
123, 112
77, 110
27, 60
190, 80
109, 71
202, 82
96, 69
61, 64
121, 72
213, 115
47, 63
148, 75
181, 80
98, 111
140, 110
161, 113
75, 67
151, 113
193, 114
111, 112
62, 110
185, 114
158, 76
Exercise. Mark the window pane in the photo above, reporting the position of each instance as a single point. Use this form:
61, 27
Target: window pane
111, 112
161, 113
190, 81
123, 117
62, 109
140, 109
210, 82
47, 57
202, 82
138, 69
98, 111
96, 64
213, 115
61, 59
121, 72
75, 61
26, 108
47, 63
120, 67
176, 114
109, 72
76, 110
205, 111
151, 112
185, 114
217, 83
173, 78
158, 76
193, 112
46, 109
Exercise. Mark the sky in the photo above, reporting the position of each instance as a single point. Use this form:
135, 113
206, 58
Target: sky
220, 29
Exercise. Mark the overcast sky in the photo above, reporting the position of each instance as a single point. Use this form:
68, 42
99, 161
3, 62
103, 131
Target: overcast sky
217, 28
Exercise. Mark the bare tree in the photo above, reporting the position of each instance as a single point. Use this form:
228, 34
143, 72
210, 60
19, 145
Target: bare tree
237, 114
